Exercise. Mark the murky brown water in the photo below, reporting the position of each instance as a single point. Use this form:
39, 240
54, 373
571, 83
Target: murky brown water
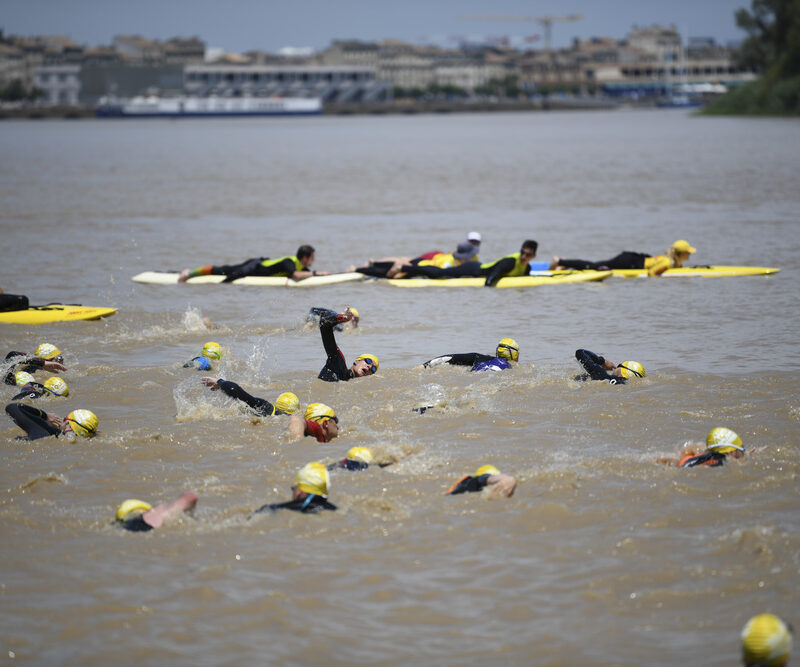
602, 556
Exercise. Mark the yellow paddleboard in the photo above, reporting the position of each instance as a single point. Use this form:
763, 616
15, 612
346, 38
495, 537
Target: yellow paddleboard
55, 312
700, 272
557, 278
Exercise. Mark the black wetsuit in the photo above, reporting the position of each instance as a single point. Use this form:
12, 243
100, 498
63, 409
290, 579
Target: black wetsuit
710, 459
10, 302
380, 269
253, 267
260, 406
31, 390
593, 364
348, 464
335, 367
625, 260
31, 420
17, 359
465, 359
474, 269
470, 484
315, 315
307, 505
137, 525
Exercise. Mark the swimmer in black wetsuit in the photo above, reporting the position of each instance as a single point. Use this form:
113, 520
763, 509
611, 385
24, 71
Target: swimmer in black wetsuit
720, 443
598, 368
297, 267
678, 253
358, 458
9, 302
138, 516
507, 352
335, 368
487, 475
53, 386
309, 492
19, 361
286, 404
515, 264
40, 424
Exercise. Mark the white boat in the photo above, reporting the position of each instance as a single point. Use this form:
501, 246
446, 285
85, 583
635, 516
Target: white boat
203, 107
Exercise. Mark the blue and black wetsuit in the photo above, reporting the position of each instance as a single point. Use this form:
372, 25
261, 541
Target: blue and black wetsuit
260, 406
593, 363
476, 360
469, 484
308, 505
335, 368
199, 363
31, 420
348, 464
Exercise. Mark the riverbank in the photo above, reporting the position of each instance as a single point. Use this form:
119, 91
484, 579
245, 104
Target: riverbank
361, 108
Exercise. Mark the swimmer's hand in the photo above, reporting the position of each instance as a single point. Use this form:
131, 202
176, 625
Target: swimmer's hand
609, 365
501, 486
55, 420
211, 383
346, 316
53, 366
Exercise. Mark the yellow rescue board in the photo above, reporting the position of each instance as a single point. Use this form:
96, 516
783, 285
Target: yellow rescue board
171, 278
55, 312
699, 272
562, 278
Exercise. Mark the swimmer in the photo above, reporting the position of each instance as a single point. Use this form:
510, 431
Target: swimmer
678, 253
503, 486
598, 368
138, 516
465, 252
297, 267
309, 492
766, 641
358, 458
286, 404
316, 314
319, 421
515, 264
40, 424
720, 443
49, 360
335, 368
211, 352
53, 386
9, 302
506, 354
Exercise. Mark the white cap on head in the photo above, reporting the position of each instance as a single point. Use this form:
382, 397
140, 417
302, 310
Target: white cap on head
474, 236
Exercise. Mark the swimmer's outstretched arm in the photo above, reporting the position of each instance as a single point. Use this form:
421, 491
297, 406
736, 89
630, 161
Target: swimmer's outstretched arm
502, 486
297, 428
164, 511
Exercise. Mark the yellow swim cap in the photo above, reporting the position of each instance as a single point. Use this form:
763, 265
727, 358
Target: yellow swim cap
319, 412
486, 470
47, 351
287, 402
766, 641
131, 505
683, 246
631, 369
56, 386
360, 454
508, 349
212, 350
84, 422
371, 359
723, 441
21, 378
313, 478
354, 311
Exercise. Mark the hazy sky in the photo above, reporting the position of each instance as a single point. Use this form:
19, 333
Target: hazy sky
241, 25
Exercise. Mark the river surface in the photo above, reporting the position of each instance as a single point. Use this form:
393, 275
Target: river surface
602, 557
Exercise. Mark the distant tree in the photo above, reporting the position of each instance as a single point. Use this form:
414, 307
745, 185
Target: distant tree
14, 91
772, 46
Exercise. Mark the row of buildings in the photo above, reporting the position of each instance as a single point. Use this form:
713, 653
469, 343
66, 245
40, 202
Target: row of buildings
648, 62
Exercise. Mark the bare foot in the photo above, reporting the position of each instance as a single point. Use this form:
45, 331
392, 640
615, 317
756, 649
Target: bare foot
350, 269
184, 275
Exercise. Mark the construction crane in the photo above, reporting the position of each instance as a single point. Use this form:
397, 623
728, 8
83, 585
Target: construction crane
545, 21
